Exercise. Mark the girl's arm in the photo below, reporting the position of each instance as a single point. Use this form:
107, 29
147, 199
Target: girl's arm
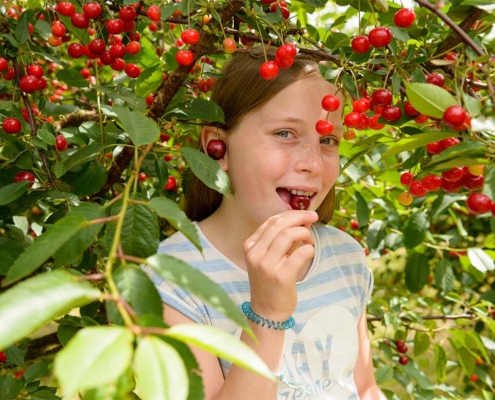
363, 371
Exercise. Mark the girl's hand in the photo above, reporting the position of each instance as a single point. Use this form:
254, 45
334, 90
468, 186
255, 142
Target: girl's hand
275, 254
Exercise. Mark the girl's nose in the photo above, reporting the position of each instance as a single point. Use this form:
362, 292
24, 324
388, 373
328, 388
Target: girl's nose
309, 158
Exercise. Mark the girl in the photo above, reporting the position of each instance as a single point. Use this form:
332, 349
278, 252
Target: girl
278, 263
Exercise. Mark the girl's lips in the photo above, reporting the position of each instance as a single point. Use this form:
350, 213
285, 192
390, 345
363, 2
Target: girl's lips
286, 195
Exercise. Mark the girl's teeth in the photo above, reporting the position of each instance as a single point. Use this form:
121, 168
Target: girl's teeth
301, 193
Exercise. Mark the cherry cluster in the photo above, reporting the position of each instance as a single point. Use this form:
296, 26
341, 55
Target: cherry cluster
284, 58
280, 5
329, 103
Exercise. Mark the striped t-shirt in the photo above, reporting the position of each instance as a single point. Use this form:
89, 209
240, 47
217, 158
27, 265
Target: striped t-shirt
321, 350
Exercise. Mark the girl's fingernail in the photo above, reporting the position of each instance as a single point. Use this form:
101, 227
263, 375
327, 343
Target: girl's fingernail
314, 213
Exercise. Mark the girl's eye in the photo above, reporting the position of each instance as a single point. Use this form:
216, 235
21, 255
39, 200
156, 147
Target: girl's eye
285, 134
329, 140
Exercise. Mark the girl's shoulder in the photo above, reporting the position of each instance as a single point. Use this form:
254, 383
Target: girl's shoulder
330, 236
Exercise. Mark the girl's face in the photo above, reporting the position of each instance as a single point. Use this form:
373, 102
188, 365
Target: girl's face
276, 150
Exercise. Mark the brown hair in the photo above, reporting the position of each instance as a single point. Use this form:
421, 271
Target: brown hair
239, 92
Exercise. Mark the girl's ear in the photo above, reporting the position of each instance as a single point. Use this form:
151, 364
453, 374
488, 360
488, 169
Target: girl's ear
213, 133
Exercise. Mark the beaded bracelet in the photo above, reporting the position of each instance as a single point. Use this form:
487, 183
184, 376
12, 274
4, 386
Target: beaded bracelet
252, 316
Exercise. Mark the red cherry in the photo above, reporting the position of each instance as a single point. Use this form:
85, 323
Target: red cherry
206, 84
118, 50
42, 83
171, 183
184, 57
75, 50
3, 64
54, 41
324, 127
404, 18
229, 45
86, 73
118, 65
286, 52
453, 174
454, 115
431, 183
417, 189
330, 102
403, 360
365, 120
149, 99
361, 105
61, 143
269, 70
129, 27
421, 119
92, 10
190, 36
406, 178
399, 342
142, 177
11, 125
35, 70
436, 78
380, 37
80, 21
115, 26
449, 142
152, 27
216, 149
24, 176
374, 124
391, 113
353, 120
164, 137
89, 54
433, 148
474, 377
97, 46
132, 70
65, 8
29, 84
106, 58
10, 74
478, 203
153, 13
58, 29
402, 348
127, 13
354, 224
361, 44
298, 202
133, 48
410, 110
3, 357
381, 97
472, 182
451, 186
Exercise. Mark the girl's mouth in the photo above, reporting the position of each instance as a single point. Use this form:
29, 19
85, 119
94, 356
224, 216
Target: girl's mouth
297, 199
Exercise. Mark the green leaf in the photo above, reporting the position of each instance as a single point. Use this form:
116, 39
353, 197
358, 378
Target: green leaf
415, 229
10, 387
65, 333
72, 77
411, 143
429, 99
473, 105
30, 304
83, 155
417, 272
440, 362
13, 191
138, 291
442, 203
167, 10
46, 136
207, 170
149, 80
35, 371
141, 129
223, 345
140, 234
480, 260
89, 180
146, 57
418, 376
124, 94
444, 276
161, 172
192, 280
400, 33
376, 234
169, 210
22, 28
160, 371
10, 39
362, 210
421, 343
466, 149
44, 247
198, 109
95, 357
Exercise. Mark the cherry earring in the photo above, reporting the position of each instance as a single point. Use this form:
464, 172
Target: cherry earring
216, 149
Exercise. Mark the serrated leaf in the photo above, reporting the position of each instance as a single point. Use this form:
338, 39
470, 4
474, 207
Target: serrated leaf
223, 345
35, 301
466, 149
46, 136
429, 99
13, 191
399, 33
94, 357
141, 129
149, 80
413, 142
72, 78
192, 280
35, 371
362, 210
207, 170
376, 234
138, 291
480, 260
421, 343
83, 155
444, 276
10, 39
140, 233
169, 210
22, 28
44, 247
473, 105
161, 171
124, 94
415, 228
160, 371
417, 272
89, 180
198, 109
